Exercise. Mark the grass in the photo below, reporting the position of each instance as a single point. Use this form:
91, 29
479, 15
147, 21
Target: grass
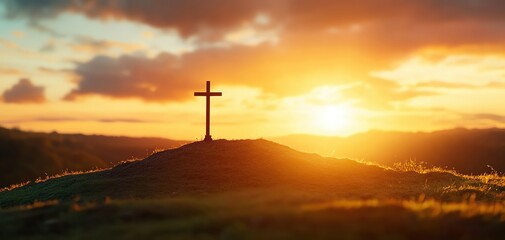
261, 214
485, 182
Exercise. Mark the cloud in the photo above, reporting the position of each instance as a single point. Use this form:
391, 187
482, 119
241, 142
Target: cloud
385, 29
330, 12
448, 70
171, 78
448, 85
8, 44
70, 119
88, 44
24, 92
18, 34
319, 42
495, 85
9, 71
12, 46
379, 93
191, 16
168, 77
50, 46
485, 116
187, 16
158, 79
35, 24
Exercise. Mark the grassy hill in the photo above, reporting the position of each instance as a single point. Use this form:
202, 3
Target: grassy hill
27, 156
222, 166
250, 189
474, 151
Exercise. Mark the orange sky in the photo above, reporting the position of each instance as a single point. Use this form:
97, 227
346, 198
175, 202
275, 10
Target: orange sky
323, 67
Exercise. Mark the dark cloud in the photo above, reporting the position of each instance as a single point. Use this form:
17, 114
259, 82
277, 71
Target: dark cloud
386, 29
390, 28
158, 79
169, 77
326, 13
190, 16
24, 92
187, 16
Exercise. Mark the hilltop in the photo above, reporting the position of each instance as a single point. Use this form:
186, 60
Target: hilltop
224, 166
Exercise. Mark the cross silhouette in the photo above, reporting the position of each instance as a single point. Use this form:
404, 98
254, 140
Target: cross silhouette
208, 94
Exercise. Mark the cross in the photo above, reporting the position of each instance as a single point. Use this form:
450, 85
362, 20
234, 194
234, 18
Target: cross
208, 94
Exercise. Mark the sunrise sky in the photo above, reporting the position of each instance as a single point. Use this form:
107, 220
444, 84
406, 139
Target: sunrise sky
130, 67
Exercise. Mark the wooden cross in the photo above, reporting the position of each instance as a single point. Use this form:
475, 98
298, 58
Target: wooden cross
208, 94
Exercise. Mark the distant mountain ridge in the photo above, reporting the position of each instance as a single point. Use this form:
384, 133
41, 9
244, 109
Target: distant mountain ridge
26, 156
469, 151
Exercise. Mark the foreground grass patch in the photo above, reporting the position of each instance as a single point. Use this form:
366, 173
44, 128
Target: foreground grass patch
255, 215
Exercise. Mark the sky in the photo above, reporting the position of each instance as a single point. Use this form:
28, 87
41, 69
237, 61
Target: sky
324, 67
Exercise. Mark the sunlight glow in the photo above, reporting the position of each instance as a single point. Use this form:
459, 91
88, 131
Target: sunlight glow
332, 119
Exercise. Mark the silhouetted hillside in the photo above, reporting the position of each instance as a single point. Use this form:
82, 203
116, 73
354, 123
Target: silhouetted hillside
466, 151
26, 156
224, 166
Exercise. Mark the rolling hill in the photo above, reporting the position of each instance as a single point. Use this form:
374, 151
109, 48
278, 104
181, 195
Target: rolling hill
468, 151
27, 156
224, 166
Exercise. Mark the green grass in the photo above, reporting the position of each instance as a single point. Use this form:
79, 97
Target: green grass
265, 214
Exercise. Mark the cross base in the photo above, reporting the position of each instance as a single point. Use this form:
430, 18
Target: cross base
208, 138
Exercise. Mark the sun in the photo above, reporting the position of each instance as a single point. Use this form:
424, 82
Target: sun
332, 119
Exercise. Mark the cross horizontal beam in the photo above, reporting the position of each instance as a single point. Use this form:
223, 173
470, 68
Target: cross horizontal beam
210, 94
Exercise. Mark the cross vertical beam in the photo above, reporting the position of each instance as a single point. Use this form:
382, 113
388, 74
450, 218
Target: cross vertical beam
207, 94
207, 116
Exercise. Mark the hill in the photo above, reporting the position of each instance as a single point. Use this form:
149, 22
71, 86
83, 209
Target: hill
27, 156
254, 189
468, 151
223, 166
